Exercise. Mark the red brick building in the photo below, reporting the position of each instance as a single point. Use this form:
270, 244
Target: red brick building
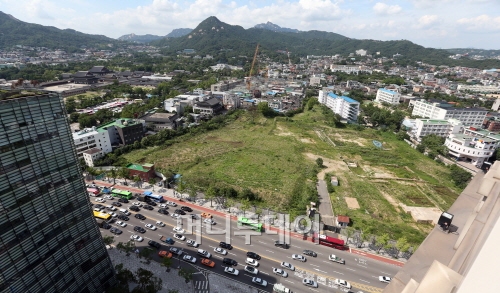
144, 171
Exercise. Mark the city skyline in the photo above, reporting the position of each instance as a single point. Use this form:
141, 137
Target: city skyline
437, 24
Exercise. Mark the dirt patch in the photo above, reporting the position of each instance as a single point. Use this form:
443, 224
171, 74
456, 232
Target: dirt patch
235, 144
307, 140
352, 203
390, 199
331, 165
377, 172
358, 141
282, 132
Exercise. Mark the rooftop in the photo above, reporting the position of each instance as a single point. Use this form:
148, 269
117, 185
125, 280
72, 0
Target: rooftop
139, 167
92, 151
387, 91
122, 122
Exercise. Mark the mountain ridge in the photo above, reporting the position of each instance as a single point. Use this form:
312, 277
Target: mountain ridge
275, 28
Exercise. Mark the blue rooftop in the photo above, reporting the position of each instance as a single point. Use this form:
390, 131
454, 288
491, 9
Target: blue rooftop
347, 99
387, 91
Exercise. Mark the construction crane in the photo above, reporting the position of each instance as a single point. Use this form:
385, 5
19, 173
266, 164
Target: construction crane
249, 81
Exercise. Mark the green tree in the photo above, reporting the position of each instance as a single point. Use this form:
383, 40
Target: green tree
211, 193
167, 262
152, 181
319, 162
245, 205
137, 180
73, 117
108, 240
86, 120
113, 174
148, 283
147, 254
187, 274
123, 277
348, 232
124, 173
401, 246
126, 247
459, 176
381, 241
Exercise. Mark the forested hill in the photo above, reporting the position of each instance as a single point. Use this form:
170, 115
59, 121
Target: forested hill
15, 32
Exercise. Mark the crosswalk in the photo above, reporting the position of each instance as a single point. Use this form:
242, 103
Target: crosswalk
201, 287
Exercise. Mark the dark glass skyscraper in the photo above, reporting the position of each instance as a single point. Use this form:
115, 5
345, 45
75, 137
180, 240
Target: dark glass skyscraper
49, 241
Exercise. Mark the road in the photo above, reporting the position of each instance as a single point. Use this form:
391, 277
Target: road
361, 272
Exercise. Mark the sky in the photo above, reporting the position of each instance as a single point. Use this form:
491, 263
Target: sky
430, 23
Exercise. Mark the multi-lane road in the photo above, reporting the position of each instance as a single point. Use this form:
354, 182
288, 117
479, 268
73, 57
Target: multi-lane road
361, 272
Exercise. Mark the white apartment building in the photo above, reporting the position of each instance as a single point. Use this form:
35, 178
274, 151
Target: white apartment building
442, 128
475, 150
350, 68
346, 107
387, 96
92, 155
90, 138
479, 88
444, 111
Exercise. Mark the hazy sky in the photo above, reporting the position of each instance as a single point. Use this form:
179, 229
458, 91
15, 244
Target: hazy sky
431, 23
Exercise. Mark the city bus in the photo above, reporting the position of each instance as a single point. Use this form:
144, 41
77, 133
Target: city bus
329, 241
102, 216
154, 197
252, 224
121, 193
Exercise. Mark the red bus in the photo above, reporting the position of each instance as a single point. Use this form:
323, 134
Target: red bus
93, 191
329, 241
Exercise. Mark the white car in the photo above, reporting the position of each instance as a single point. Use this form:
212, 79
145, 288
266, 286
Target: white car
189, 258
108, 197
136, 238
112, 214
111, 208
98, 199
310, 283
220, 250
137, 204
342, 283
163, 206
179, 230
384, 279
175, 216
150, 226
121, 224
288, 266
280, 272
209, 221
251, 270
231, 271
252, 262
259, 281
160, 223
171, 203
192, 243
180, 237
298, 257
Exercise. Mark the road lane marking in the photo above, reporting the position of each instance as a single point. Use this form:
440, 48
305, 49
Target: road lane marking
362, 266
270, 251
338, 273
314, 265
264, 273
320, 271
364, 281
350, 269
289, 281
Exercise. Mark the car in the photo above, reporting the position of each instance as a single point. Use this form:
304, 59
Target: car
140, 217
281, 244
229, 261
136, 238
111, 208
252, 262
114, 215
179, 230
334, 258
99, 206
171, 203
193, 216
310, 253
288, 266
192, 243
137, 204
189, 258
207, 262
139, 229
175, 216
231, 271
175, 250
154, 244
166, 254
98, 199
220, 250
180, 237
123, 217
384, 279
280, 272
209, 221
225, 245
97, 210
108, 197
121, 224
125, 212
115, 231
253, 255
150, 226
186, 209
251, 270
160, 223
180, 212
163, 211
134, 208
309, 283
105, 225
299, 257
116, 204
204, 253
147, 207
123, 200
342, 283
259, 281
164, 206
151, 203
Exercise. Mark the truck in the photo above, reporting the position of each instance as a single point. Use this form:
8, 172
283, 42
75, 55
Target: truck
280, 288
334, 258
167, 240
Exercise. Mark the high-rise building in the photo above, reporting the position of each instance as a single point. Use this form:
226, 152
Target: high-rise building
49, 241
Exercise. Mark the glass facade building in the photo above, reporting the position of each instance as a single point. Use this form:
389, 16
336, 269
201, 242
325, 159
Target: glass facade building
49, 241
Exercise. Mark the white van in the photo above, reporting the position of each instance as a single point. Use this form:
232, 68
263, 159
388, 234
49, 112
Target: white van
125, 212
204, 253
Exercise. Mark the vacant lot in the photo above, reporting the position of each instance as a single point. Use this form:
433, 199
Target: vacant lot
273, 157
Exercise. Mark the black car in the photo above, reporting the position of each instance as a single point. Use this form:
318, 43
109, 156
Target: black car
115, 231
180, 212
163, 211
309, 252
229, 261
253, 255
151, 203
123, 217
123, 200
147, 207
281, 244
140, 217
134, 208
154, 244
116, 204
139, 229
105, 225
186, 209
226, 245
99, 206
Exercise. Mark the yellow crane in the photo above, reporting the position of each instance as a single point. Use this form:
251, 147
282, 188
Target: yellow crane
249, 81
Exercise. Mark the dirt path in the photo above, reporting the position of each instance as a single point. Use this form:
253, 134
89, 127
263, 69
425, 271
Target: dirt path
331, 165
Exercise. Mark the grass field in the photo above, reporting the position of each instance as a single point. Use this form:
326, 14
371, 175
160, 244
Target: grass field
273, 158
